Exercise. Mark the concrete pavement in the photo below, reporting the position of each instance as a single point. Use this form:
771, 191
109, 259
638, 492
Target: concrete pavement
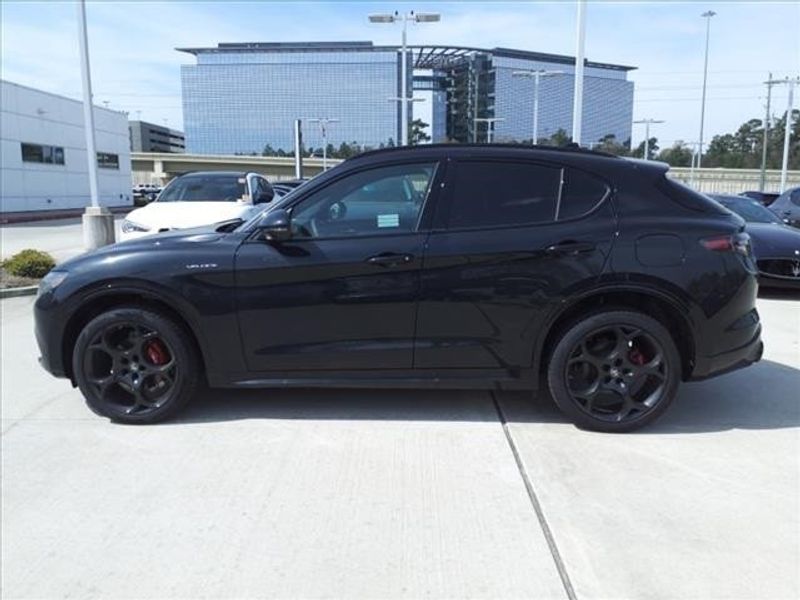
63, 238
333, 494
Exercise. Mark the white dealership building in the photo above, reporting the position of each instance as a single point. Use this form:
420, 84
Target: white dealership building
43, 162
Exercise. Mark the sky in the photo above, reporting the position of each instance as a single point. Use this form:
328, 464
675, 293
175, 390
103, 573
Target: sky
135, 66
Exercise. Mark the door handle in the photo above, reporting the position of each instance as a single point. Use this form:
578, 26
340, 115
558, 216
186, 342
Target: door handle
570, 248
390, 259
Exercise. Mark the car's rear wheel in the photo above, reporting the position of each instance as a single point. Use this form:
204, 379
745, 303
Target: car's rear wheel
614, 371
135, 366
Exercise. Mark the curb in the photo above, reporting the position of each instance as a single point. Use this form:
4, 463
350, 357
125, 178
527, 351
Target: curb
28, 290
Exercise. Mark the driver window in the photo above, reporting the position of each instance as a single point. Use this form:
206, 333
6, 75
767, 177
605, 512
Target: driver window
378, 201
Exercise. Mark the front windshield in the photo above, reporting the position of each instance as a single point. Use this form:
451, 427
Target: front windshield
750, 210
210, 187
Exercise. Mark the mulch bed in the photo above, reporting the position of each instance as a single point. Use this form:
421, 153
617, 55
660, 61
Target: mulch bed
7, 280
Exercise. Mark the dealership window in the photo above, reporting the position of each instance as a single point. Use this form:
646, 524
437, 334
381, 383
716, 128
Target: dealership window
106, 160
40, 153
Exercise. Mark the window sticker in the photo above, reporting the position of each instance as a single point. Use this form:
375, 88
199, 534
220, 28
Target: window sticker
392, 220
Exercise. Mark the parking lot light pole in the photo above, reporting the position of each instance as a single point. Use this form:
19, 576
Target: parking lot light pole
707, 16
577, 101
647, 123
404, 19
490, 121
536, 75
787, 133
323, 127
98, 222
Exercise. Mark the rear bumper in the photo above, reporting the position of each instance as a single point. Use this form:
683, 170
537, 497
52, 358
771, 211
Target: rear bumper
719, 364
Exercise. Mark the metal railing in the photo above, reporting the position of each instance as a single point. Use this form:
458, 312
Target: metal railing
732, 181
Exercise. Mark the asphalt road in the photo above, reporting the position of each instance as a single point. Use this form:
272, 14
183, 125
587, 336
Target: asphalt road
366, 494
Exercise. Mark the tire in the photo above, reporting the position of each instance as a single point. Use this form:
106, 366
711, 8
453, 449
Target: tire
135, 366
614, 371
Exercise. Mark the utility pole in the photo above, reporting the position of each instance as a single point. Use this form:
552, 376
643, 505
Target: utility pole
763, 179
647, 123
98, 222
707, 16
577, 103
298, 148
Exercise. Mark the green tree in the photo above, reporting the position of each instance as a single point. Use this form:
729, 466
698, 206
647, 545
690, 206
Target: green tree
652, 149
608, 143
559, 138
418, 133
678, 155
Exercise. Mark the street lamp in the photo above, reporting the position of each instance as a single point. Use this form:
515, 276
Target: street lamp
647, 123
580, 46
98, 222
404, 19
490, 121
536, 75
707, 16
323, 127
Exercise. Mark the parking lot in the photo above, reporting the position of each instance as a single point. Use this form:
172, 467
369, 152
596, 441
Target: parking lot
407, 494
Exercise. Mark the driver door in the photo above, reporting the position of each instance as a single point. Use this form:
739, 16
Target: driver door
342, 292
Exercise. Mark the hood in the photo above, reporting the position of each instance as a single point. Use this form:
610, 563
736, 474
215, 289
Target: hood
163, 241
182, 215
771, 240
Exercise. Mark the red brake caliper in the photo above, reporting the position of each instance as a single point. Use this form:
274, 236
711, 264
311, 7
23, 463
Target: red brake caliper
157, 352
636, 357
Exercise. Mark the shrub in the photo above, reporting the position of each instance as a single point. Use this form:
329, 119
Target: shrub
29, 263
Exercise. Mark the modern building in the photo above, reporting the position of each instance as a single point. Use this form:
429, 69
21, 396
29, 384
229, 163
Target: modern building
148, 137
43, 163
241, 97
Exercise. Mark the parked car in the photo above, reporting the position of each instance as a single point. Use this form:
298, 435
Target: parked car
143, 193
776, 246
787, 207
199, 198
450, 266
284, 187
765, 198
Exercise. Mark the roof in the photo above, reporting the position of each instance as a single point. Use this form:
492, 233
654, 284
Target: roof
424, 57
572, 150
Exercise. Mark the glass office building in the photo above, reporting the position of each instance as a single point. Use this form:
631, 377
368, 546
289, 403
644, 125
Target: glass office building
240, 98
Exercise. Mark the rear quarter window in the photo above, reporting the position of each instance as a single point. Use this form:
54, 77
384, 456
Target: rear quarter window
581, 194
688, 197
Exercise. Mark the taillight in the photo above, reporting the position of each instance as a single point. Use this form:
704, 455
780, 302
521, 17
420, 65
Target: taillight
739, 243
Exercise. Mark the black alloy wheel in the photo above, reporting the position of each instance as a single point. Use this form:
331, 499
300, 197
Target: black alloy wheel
614, 371
135, 366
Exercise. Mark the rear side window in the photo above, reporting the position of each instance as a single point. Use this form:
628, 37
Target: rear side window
689, 198
580, 195
495, 193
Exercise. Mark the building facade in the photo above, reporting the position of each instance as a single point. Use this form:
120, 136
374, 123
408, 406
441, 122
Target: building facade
148, 137
43, 163
244, 98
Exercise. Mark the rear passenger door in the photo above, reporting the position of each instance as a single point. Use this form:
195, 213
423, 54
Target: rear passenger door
511, 239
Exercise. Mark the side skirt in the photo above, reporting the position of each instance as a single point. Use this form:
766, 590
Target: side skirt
467, 379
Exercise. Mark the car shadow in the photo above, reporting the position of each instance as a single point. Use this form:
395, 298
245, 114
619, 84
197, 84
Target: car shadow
764, 396
778, 294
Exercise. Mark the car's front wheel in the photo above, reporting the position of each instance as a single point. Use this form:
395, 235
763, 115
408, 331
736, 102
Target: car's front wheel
614, 371
135, 366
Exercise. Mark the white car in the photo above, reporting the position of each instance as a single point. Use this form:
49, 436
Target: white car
200, 198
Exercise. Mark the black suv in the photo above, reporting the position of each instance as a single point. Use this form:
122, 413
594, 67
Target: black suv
453, 266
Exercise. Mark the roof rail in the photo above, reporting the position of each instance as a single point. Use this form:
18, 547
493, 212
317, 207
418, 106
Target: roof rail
572, 147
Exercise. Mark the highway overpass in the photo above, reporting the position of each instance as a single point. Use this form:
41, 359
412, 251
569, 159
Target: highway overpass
160, 167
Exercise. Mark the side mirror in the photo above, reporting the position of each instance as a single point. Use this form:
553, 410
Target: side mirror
275, 225
264, 195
